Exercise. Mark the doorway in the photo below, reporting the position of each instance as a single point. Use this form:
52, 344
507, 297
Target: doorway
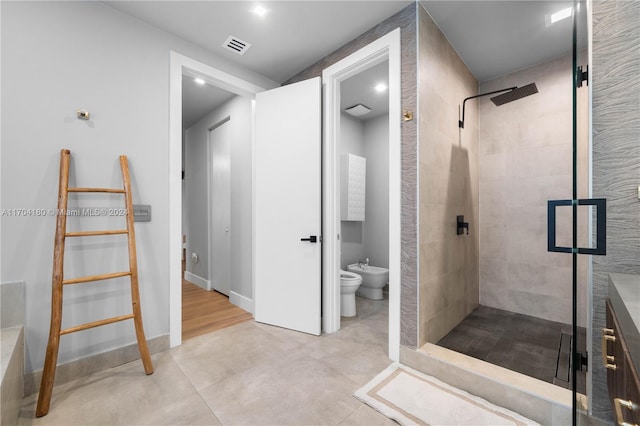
386, 48
364, 189
184, 67
207, 205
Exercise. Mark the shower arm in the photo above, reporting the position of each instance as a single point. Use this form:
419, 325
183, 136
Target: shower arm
461, 122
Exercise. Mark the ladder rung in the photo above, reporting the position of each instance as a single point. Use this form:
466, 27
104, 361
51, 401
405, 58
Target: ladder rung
112, 190
96, 324
96, 277
93, 233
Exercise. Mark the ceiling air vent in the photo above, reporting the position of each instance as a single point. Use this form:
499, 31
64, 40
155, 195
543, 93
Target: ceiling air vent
236, 45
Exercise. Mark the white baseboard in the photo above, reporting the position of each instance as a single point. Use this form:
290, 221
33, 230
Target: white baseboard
241, 301
199, 281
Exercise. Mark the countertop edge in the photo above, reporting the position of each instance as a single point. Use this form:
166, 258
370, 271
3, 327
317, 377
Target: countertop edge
624, 294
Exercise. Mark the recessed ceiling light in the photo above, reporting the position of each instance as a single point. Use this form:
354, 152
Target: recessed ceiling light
561, 14
380, 87
259, 10
199, 81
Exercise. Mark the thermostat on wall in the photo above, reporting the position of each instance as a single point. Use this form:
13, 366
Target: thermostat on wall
142, 213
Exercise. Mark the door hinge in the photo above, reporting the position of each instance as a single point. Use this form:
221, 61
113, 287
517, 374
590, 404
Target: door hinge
583, 360
582, 75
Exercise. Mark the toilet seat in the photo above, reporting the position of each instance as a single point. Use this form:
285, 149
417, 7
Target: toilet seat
349, 276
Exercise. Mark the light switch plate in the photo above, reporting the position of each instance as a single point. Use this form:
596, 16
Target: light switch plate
142, 213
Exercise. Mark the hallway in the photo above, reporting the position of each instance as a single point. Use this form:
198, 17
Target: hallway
207, 311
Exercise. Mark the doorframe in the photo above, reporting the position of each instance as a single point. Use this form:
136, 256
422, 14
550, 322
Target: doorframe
180, 65
210, 241
386, 47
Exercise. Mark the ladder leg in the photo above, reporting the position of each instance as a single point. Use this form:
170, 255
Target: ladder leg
51, 357
133, 267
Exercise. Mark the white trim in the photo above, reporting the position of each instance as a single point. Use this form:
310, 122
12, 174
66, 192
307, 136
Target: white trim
215, 77
180, 65
386, 47
241, 301
253, 202
197, 280
395, 192
175, 199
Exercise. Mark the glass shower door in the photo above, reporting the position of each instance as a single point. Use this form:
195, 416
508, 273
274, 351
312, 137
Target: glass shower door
586, 217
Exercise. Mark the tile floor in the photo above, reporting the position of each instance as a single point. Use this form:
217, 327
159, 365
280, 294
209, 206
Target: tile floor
249, 374
521, 343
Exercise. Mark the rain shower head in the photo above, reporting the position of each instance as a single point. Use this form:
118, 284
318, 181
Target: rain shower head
515, 94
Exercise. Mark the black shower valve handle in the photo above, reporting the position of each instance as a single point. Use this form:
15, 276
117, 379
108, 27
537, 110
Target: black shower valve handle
461, 225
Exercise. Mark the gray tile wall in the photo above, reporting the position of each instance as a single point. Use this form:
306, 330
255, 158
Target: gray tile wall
406, 21
616, 158
526, 159
448, 185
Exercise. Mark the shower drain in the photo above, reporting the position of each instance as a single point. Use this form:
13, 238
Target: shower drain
563, 362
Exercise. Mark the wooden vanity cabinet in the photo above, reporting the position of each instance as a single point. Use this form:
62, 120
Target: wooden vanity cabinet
632, 394
622, 375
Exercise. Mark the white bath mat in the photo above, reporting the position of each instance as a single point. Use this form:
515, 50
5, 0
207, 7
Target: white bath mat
413, 398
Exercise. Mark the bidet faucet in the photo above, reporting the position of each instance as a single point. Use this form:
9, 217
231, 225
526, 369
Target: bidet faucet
363, 262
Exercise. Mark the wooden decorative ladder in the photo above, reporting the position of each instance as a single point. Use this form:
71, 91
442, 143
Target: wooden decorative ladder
49, 371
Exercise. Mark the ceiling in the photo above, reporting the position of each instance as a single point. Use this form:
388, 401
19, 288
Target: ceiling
492, 37
198, 100
292, 36
360, 89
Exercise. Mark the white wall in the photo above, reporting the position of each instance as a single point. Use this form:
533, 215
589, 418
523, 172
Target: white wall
351, 233
368, 139
58, 57
376, 225
196, 160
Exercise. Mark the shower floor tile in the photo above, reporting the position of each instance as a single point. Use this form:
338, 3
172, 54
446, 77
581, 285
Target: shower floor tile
521, 343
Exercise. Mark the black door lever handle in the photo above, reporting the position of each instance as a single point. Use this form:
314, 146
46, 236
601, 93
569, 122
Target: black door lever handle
311, 239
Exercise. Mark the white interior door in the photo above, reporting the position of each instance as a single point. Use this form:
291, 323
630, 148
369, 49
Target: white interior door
220, 258
288, 206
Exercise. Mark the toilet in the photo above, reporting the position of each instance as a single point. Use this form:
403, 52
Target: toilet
374, 278
349, 283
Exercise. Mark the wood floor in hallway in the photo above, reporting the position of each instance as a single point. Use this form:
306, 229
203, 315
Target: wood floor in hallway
206, 311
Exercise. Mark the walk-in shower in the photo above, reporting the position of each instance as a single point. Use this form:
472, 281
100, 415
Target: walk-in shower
498, 293
513, 325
